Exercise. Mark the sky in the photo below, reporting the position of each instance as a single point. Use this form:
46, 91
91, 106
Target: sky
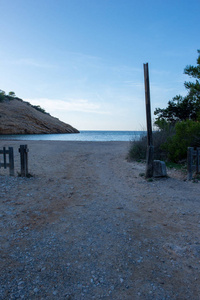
82, 60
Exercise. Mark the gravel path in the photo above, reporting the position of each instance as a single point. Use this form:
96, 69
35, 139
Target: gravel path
88, 226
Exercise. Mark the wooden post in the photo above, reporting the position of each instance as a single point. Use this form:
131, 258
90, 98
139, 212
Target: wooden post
11, 161
197, 161
24, 160
189, 162
150, 149
4, 157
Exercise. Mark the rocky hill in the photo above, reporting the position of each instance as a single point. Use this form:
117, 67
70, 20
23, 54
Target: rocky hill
20, 117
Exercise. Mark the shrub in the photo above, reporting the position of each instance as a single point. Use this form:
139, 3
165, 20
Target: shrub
2, 95
138, 148
37, 107
12, 94
187, 135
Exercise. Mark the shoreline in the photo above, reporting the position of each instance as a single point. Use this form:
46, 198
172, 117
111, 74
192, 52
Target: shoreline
82, 136
60, 141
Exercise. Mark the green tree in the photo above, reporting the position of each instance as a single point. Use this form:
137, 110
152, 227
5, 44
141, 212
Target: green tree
11, 94
183, 108
2, 95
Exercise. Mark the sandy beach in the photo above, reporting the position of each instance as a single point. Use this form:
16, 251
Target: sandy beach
87, 225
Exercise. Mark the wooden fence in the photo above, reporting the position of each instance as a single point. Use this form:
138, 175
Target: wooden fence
10, 163
193, 162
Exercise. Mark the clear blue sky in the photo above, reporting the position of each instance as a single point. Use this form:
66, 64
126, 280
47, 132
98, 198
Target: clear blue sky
82, 60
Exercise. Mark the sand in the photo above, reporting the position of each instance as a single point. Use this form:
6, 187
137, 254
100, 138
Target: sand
87, 225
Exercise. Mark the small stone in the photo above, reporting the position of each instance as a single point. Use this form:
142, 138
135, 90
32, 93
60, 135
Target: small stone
21, 269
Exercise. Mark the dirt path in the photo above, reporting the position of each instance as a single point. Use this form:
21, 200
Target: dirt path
88, 226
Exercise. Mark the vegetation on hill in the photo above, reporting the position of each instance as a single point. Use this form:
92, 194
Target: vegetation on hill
20, 117
178, 125
11, 95
2, 96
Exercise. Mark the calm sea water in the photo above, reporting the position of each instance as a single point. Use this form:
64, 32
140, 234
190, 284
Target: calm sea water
82, 136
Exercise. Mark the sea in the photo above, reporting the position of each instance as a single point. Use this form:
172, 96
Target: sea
85, 135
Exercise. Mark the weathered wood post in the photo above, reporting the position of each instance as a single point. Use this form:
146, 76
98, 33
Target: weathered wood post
189, 162
24, 160
150, 149
11, 161
4, 157
197, 161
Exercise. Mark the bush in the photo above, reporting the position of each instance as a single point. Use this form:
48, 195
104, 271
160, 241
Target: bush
138, 148
2, 95
12, 94
37, 107
187, 135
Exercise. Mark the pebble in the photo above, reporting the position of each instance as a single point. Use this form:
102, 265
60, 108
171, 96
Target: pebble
36, 290
55, 293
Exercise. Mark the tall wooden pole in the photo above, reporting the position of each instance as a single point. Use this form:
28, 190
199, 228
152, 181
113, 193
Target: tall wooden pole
149, 163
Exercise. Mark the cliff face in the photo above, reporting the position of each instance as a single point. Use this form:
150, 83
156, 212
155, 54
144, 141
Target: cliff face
19, 117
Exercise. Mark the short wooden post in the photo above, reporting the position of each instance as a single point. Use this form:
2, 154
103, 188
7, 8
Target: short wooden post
4, 157
197, 161
24, 160
150, 148
11, 161
189, 162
